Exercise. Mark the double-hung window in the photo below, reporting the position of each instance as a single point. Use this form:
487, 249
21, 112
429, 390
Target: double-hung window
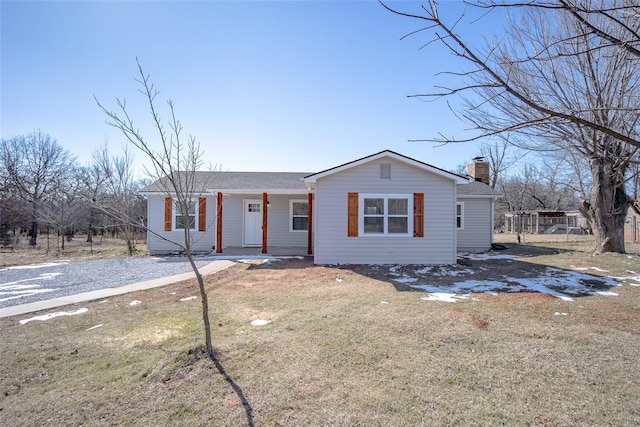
460, 216
299, 215
386, 214
186, 221
196, 215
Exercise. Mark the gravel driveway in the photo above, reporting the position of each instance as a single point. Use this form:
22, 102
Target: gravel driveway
30, 283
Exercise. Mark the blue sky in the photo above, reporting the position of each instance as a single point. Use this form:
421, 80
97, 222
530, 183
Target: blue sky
263, 85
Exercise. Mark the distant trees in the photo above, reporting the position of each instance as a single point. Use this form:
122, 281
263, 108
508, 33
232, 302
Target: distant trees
35, 168
43, 189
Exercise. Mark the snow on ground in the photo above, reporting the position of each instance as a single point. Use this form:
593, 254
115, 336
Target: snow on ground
260, 322
56, 314
18, 288
34, 266
445, 297
563, 284
482, 256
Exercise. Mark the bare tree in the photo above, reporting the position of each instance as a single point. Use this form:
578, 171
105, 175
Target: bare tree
35, 166
62, 211
174, 166
495, 152
114, 192
557, 82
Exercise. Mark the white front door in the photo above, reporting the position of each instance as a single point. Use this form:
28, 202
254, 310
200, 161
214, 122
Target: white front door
252, 223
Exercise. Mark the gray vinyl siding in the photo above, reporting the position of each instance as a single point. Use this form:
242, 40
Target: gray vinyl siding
332, 246
201, 241
278, 233
476, 235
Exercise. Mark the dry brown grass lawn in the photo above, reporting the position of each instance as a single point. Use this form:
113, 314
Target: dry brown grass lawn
78, 249
343, 348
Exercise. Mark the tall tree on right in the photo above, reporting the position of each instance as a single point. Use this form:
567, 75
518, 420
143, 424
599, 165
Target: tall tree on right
560, 80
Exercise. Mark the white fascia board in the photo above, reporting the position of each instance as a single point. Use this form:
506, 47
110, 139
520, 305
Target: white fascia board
480, 196
254, 191
311, 179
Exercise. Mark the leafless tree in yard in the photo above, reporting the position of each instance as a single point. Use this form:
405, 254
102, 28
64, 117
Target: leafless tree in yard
174, 166
564, 78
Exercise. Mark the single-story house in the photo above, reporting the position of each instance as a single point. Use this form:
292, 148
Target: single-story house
380, 209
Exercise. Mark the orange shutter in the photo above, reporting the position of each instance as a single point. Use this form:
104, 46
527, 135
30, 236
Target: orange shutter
202, 214
352, 215
167, 213
418, 214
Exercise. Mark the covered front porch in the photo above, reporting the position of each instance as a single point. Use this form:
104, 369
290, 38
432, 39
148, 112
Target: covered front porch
275, 251
277, 223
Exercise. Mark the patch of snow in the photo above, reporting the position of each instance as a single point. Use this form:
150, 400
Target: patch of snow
339, 280
482, 256
599, 269
607, 293
573, 267
260, 322
557, 313
135, 302
56, 314
406, 280
466, 271
384, 302
424, 270
33, 266
444, 297
96, 327
188, 298
556, 282
394, 270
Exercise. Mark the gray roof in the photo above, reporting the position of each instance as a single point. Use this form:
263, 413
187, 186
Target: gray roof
257, 181
283, 181
475, 188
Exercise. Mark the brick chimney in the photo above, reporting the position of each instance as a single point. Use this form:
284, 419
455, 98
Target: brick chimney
478, 169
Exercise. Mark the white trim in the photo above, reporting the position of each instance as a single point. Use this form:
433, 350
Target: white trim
386, 197
388, 154
176, 212
494, 197
461, 204
244, 222
254, 191
291, 202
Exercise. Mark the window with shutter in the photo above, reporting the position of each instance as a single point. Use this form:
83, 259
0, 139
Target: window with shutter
352, 215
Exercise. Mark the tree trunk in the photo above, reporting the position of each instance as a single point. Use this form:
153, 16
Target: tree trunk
607, 211
33, 233
205, 306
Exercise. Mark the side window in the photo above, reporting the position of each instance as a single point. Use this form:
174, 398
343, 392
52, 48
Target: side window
299, 215
185, 221
460, 216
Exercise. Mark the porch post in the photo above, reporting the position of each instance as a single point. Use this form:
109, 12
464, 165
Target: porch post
265, 204
219, 223
310, 224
